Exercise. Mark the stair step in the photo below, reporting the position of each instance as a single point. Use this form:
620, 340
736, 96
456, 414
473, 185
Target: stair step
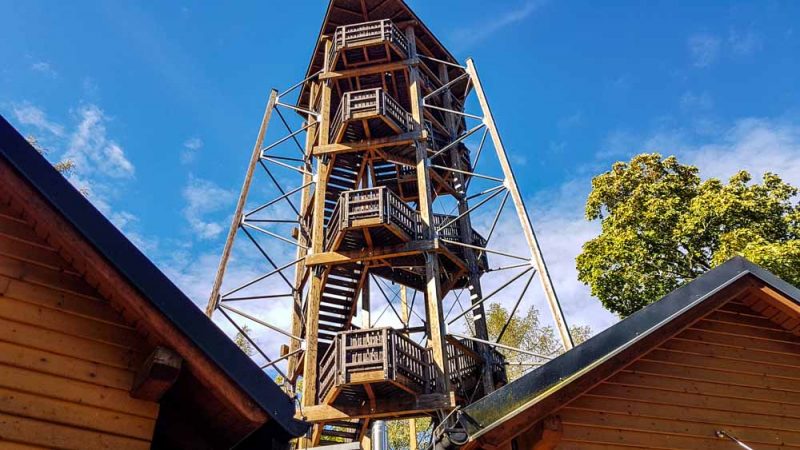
345, 424
333, 310
333, 328
341, 434
332, 319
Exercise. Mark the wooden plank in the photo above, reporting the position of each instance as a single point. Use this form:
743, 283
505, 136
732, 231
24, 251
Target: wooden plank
715, 376
723, 351
58, 411
727, 365
63, 344
613, 437
691, 400
73, 325
30, 273
20, 429
65, 366
700, 335
34, 254
57, 387
93, 308
690, 385
675, 426
22, 231
7, 445
776, 334
641, 408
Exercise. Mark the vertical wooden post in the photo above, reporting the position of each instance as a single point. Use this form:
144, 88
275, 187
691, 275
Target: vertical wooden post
435, 315
522, 212
405, 315
305, 197
213, 301
310, 364
366, 305
465, 229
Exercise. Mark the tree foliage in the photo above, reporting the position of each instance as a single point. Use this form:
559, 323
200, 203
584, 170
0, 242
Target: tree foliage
399, 434
527, 333
242, 342
662, 226
63, 167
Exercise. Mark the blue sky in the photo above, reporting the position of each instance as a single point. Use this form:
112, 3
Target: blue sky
159, 102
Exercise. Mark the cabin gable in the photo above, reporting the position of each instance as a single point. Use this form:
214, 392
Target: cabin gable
67, 358
736, 368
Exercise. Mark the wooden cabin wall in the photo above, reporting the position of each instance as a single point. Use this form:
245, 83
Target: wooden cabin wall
67, 360
733, 370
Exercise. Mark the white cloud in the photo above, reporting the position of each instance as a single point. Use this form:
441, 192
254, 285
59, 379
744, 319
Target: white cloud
691, 102
491, 25
704, 49
756, 144
45, 68
744, 43
205, 198
190, 148
91, 149
28, 114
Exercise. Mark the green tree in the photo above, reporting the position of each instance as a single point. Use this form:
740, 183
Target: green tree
399, 435
527, 333
242, 342
63, 167
662, 226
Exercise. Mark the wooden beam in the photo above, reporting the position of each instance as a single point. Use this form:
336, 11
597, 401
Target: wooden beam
324, 166
404, 139
368, 70
387, 408
302, 249
433, 291
410, 248
255, 157
545, 435
158, 373
522, 212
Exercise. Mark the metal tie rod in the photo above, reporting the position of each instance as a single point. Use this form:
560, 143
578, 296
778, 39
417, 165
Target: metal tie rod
483, 300
261, 322
445, 86
507, 347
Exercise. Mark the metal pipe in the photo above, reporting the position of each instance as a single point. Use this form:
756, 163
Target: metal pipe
380, 435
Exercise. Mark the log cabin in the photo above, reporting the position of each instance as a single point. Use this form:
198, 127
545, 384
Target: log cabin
98, 348
713, 365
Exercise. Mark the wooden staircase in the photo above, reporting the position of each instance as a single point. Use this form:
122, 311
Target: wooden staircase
341, 432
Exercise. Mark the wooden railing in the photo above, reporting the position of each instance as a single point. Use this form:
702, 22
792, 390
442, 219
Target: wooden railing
387, 355
383, 204
365, 33
366, 103
372, 203
375, 355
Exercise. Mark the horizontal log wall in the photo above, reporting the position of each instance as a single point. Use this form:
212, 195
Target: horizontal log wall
67, 360
733, 370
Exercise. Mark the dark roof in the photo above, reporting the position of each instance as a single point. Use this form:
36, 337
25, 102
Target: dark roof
346, 12
505, 403
143, 275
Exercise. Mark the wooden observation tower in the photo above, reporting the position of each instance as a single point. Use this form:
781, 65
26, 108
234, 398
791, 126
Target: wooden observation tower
374, 186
